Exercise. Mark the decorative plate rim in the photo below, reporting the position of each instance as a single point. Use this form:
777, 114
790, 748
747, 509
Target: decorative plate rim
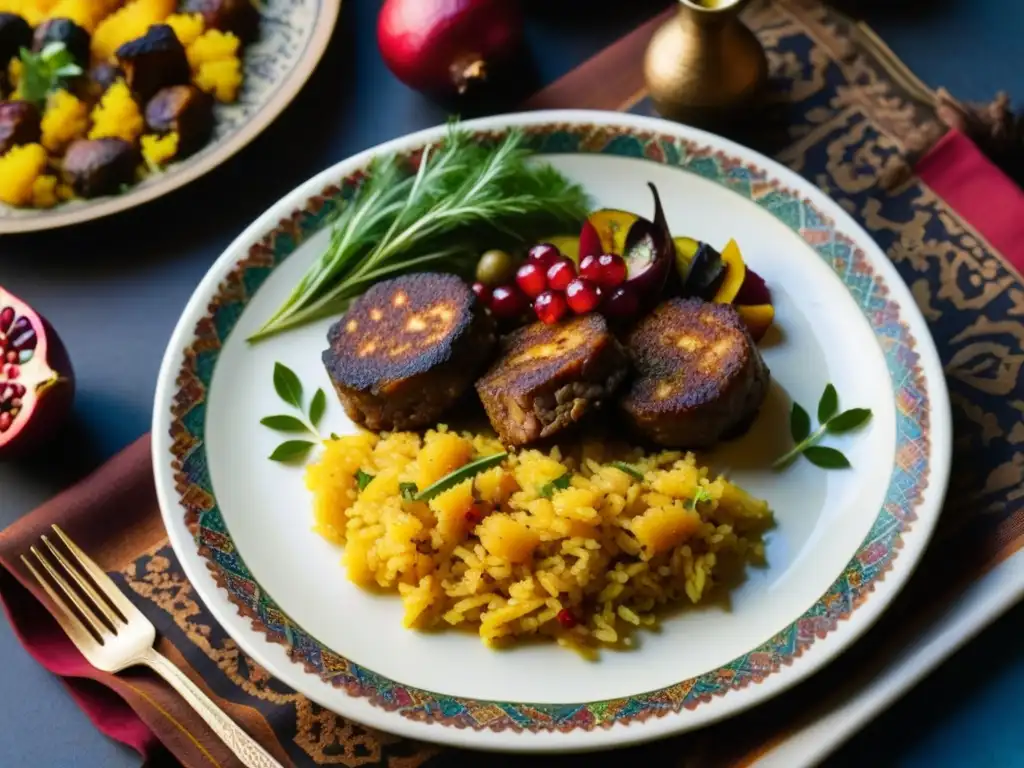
832, 615
216, 153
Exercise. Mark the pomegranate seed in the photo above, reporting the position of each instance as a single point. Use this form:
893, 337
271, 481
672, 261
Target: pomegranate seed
560, 274
5, 421
508, 302
17, 389
544, 255
611, 270
15, 404
590, 269
12, 356
582, 296
483, 293
12, 372
6, 318
530, 278
622, 303
550, 307
566, 619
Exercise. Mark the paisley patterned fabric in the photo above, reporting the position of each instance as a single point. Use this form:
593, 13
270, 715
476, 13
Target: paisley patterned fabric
838, 120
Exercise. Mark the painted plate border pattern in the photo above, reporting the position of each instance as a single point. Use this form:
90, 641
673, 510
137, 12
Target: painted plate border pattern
851, 589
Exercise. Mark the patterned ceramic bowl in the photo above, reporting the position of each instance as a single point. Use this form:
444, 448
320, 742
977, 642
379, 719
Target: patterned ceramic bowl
293, 37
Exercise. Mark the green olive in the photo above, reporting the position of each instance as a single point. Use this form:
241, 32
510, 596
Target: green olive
495, 268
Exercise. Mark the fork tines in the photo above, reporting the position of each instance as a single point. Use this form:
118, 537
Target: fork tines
97, 602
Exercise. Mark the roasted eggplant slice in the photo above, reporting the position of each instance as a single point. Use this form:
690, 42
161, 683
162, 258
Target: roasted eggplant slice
19, 124
185, 110
15, 34
95, 167
74, 38
239, 17
154, 61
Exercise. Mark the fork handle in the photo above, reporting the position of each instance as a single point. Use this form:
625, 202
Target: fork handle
238, 741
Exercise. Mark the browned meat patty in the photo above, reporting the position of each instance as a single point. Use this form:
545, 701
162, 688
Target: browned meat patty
407, 350
550, 376
699, 375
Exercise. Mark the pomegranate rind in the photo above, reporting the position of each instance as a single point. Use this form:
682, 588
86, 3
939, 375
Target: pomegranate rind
49, 384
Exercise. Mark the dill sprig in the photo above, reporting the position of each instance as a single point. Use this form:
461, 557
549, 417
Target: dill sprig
463, 197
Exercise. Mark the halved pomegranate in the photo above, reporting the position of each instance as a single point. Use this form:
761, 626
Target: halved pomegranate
37, 383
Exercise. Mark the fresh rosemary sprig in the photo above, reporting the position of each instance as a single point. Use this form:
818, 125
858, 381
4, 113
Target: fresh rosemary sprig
831, 422
289, 389
464, 196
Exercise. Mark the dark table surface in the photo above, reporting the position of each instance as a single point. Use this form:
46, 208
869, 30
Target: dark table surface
115, 288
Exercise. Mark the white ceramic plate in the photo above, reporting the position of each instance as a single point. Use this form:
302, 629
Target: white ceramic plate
845, 543
293, 37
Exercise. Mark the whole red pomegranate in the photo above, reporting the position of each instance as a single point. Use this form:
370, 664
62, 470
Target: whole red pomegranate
442, 47
36, 380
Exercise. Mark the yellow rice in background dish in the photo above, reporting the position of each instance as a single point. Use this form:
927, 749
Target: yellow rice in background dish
547, 543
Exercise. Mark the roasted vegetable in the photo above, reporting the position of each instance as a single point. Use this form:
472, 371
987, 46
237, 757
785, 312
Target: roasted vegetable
154, 61
758, 318
74, 38
185, 110
95, 167
15, 34
703, 273
239, 17
735, 274
754, 290
19, 124
91, 88
650, 254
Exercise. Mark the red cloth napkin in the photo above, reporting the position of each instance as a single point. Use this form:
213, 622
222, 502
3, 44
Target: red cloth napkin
961, 175
113, 515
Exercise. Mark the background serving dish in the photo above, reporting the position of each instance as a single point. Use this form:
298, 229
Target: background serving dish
846, 318
293, 37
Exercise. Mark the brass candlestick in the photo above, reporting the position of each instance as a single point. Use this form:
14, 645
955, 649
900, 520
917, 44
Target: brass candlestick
704, 66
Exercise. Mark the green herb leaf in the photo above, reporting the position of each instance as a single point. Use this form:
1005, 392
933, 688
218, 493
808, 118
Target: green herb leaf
461, 474
629, 469
45, 72
316, 407
335, 436
826, 458
828, 405
287, 385
408, 491
291, 450
849, 420
363, 479
701, 494
799, 423
284, 423
558, 484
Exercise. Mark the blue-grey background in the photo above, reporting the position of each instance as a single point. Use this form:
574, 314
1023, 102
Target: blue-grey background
115, 288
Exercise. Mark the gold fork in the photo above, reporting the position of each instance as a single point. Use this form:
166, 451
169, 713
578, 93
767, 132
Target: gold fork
117, 639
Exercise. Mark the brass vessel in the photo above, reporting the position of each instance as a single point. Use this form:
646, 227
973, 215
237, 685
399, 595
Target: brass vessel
704, 66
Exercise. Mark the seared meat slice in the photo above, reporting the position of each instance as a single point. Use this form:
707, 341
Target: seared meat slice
550, 376
407, 349
699, 375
